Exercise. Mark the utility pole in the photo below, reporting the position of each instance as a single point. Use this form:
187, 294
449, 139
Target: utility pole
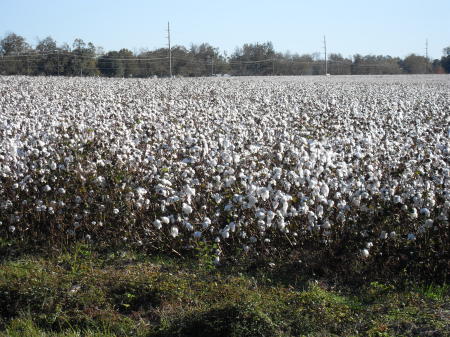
325, 49
426, 56
170, 50
58, 62
212, 66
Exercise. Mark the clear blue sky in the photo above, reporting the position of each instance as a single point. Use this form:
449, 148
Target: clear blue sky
388, 27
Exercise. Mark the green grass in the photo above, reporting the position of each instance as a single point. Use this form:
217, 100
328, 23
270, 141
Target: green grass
87, 292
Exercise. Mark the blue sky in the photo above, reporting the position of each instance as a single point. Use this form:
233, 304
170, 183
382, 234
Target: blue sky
388, 27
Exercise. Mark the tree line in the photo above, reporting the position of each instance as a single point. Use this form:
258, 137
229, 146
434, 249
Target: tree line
85, 59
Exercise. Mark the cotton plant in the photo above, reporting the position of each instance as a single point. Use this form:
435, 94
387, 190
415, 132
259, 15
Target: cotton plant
265, 164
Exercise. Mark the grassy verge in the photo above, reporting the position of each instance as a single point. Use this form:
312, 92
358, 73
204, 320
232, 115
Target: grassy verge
88, 292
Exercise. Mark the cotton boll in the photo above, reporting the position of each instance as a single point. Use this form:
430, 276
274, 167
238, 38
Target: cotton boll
264, 193
413, 213
197, 235
425, 211
397, 199
206, 223
365, 253
174, 231
225, 234
281, 224
187, 209
157, 224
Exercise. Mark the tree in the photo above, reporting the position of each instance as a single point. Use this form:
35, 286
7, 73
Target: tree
83, 61
46, 45
445, 60
446, 51
13, 44
415, 64
253, 59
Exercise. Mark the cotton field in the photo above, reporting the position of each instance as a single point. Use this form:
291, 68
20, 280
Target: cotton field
249, 165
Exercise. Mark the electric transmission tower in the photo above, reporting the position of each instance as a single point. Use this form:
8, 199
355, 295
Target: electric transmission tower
325, 49
170, 50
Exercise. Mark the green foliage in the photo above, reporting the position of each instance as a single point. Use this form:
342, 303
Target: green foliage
86, 292
199, 60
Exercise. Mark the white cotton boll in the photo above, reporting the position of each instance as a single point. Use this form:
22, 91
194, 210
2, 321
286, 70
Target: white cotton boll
225, 234
270, 217
413, 213
264, 193
311, 217
217, 260
140, 191
157, 224
284, 207
47, 188
165, 219
369, 245
187, 209
253, 239
260, 214
116, 211
425, 211
251, 201
319, 211
217, 240
232, 226
324, 190
326, 224
228, 207
330, 203
397, 199
281, 224
246, 248
53, 166
206, 223
197, 235
174, 231
428, 223
411, 237
383, 235
190, 191
365, 253
11, 229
